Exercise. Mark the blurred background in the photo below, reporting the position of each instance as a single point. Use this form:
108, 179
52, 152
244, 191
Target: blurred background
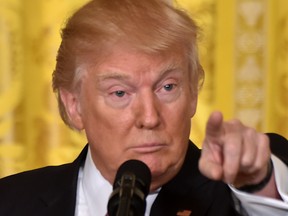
243, 47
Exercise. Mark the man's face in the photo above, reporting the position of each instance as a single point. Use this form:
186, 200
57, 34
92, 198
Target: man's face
135, 106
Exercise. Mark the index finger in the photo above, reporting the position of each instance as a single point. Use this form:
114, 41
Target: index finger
214, 127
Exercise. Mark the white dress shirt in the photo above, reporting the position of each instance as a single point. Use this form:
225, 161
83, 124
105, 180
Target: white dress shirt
93, 192
258, 205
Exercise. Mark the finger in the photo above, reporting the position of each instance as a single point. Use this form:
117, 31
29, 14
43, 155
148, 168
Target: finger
250, 146
210, 163
232, 153
214, 125
262, 158
211, 170
209, 167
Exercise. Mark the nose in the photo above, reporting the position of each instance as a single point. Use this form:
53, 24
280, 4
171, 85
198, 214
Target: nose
147, 111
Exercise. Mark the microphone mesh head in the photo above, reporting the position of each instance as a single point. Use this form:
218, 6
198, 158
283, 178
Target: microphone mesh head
139, 169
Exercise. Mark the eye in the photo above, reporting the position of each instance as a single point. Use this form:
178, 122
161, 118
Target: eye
168, 87
119, 93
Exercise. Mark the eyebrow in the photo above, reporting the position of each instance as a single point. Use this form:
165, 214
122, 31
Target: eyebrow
166, 69
114, 75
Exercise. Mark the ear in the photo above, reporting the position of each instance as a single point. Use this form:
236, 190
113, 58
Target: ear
73, 108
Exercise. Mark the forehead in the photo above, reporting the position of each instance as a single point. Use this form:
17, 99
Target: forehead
126, 59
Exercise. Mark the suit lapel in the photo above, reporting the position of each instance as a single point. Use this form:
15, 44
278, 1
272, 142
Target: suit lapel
59, 197
190, 193
180, 196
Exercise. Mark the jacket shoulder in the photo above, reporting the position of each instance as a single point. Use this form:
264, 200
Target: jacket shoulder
33, 178
42, 191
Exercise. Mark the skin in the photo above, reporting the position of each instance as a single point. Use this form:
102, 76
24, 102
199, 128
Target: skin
236, 154
135, 106
138, 106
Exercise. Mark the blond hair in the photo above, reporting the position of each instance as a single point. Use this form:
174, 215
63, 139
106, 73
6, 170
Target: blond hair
150, 26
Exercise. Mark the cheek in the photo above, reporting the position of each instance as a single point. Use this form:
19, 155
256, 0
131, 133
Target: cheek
179, 119
104, 125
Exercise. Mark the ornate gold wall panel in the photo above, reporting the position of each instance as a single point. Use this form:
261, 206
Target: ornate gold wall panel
261, 64
245, 62
277, 79
31, 132
204, 12
51, 142
11, 84
250, 67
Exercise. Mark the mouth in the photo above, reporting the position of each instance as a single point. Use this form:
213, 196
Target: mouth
148, 148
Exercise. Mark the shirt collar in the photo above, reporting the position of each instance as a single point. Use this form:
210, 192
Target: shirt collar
97, 189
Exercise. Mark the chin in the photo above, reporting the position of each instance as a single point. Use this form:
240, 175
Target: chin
161, 170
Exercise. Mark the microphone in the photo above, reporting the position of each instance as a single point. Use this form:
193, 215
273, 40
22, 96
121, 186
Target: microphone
130, 189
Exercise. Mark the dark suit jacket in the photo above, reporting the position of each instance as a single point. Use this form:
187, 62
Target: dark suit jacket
52, 190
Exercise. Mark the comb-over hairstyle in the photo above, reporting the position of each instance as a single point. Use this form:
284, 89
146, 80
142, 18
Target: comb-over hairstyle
148, 26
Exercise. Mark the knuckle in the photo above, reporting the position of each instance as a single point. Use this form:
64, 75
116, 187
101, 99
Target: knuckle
236, 123
233, 149
250, 132
264, 140
259, 165
247, 162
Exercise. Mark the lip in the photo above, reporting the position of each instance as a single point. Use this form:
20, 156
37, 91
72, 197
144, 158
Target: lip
148, 148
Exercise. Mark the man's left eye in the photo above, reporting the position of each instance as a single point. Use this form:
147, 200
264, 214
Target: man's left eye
119, 93
168, 87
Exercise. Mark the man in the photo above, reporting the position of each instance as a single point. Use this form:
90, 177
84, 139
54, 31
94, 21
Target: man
128, 74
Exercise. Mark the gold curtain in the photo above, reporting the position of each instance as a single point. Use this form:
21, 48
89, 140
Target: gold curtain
31, 132
244, 50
